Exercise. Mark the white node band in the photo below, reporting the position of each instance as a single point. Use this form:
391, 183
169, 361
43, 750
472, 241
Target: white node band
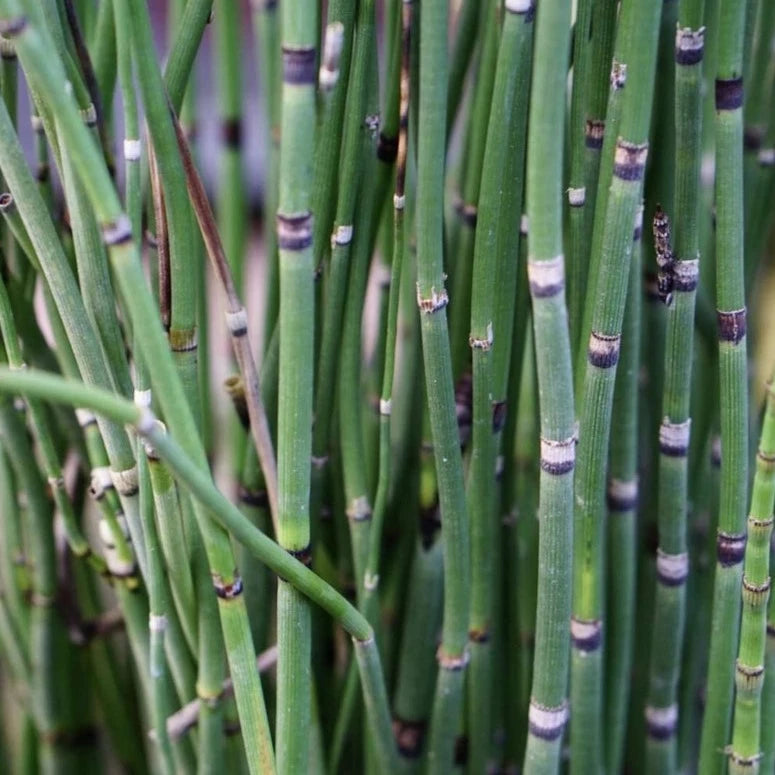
674, 437
547, 723
342, 235
146, 422
85, 417
126, 481
101, 480
359, 510
132, 150
142, 398
157, 622
577, 196
436, 301
558, 457
672, 569
237, 321
546, 278
518, 6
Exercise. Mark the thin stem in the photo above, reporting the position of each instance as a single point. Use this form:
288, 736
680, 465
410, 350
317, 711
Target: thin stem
236, 320
607, 301
432, 301
731, 316
546, 275
294, 415
481, 501
622, 497
672, 554
749, 668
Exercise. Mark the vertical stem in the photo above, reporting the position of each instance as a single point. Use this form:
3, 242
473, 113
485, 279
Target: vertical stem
622, 535
548, 711
768, 693
232, 206
432, 301
672, 564
481, 488
639, 27
731, 315
297, 315
749, 669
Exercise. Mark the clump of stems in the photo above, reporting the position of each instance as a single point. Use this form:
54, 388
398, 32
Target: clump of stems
472, 496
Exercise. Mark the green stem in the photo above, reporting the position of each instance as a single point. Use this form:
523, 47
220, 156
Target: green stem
749, 668
546, 274
607, 301
481, 501
432, 301
731, 315
294, 417
672, 565
622, 535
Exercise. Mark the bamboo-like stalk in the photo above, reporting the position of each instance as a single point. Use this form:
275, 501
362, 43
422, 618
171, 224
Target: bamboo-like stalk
83, 58
466, 32
546, 274
432, 300
231, 205
577, 212
511, 292
481, 502
467, 207
294, 414
672, 565
593, 40
658, 188
105, 56
355, 476
605, 163
413, 694
182, 325
266, 26
520, 493
607, 302
703, 514
768, 692
173, 543
353, 118
13, 572
158, 598
131, 146
194, 19
622, 501
372, 569
335, 87
745, 751
731, 315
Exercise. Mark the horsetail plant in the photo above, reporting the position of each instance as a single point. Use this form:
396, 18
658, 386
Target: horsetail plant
733, 399
548, 712
596, 399
389, 540
294, 413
